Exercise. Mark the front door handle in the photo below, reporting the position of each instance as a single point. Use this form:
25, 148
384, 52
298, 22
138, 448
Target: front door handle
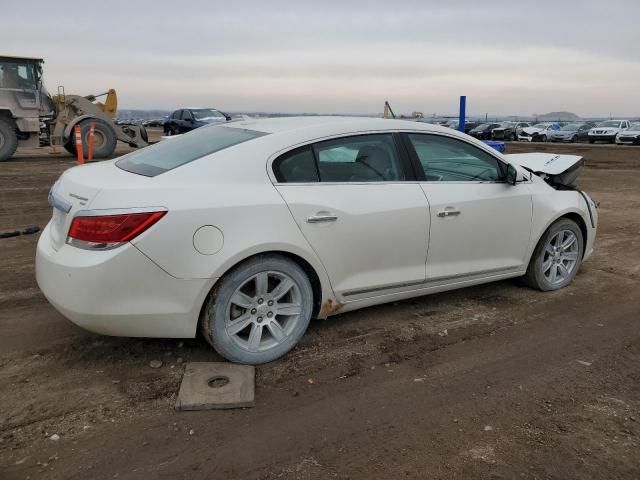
448, 213
323, 217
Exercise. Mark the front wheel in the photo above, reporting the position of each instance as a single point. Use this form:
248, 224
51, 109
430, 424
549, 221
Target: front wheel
557, 257
259, 311
8, 140
104, 139
574, 139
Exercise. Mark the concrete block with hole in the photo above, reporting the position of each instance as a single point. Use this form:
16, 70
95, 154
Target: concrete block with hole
216, 385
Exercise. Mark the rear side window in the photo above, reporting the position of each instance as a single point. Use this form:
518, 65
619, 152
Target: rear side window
362, 158
174, 152
297, 166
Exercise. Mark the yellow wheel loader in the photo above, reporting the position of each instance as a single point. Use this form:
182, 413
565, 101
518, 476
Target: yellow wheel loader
31, 117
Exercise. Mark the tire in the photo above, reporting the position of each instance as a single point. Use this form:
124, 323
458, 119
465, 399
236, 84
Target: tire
543, 138
541, 276
8, 140
104, 138
574, 139
591, 141
257, 317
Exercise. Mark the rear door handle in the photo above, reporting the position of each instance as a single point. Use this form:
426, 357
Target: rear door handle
448, 213
319, 218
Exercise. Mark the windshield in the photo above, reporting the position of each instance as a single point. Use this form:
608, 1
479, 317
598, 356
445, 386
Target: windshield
507, 124
571, 127
635, 126
610, 123
541, 126
174, 152
19, 75
482, 126
204, 114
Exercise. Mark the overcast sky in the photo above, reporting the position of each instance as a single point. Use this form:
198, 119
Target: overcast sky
509, 57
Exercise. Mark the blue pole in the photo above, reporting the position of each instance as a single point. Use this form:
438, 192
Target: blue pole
463, 112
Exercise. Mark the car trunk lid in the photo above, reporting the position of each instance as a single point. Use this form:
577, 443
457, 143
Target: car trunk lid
76, 189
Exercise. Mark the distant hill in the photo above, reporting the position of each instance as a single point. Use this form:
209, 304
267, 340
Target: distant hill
556, 116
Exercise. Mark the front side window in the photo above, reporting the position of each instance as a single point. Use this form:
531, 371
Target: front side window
446, 159
186, 115
362, 158
176, 115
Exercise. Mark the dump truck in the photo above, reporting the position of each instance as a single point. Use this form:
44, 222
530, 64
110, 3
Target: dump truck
30, 116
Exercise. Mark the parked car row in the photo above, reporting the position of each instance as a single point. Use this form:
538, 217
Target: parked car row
610, 131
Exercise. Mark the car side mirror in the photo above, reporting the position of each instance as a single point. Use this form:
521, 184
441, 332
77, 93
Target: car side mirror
512, 175
228, 117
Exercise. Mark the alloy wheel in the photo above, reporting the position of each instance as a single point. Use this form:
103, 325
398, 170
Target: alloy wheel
263, 311
560, 257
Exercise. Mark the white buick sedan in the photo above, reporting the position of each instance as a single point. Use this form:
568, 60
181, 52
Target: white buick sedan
249, 229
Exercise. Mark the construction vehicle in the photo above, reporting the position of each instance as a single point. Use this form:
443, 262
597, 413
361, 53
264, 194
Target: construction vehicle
388, 112
31, 117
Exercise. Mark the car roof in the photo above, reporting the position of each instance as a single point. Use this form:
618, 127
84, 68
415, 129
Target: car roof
319, 125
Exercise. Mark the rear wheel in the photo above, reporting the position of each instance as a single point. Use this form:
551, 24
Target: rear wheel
259, 311
557, 257
574, 139
8, 140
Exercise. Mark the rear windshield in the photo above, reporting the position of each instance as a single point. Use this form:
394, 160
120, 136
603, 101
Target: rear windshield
175, 151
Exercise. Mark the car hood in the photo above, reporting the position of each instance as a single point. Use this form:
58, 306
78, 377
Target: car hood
605, 129
531, 130
548, 163
630, 133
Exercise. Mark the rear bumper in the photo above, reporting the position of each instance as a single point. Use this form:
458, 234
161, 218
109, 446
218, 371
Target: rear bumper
118, 292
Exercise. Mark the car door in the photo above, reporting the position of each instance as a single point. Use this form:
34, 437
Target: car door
583, 132
357, 206
480, 225
186, 122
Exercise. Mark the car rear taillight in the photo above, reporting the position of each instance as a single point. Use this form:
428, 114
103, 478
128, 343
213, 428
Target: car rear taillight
101, 232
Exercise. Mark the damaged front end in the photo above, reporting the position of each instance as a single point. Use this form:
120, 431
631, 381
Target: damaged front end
557, 170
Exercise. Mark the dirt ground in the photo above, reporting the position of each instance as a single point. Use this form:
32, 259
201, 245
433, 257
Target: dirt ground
496, 381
